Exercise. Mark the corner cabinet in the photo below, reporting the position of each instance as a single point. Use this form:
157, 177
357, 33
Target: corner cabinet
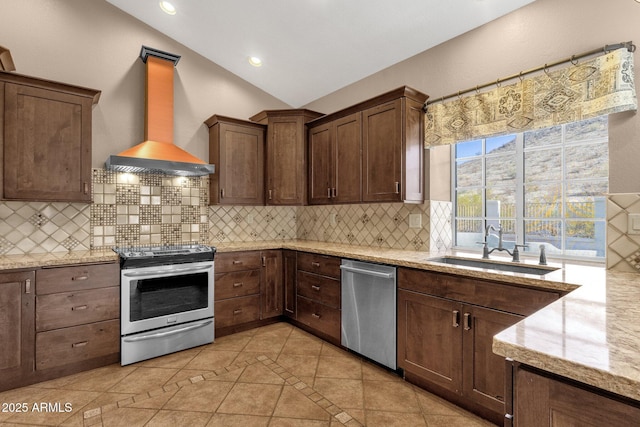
17, 330
236, 148
45, 139
446, 326
286, 155
370, 152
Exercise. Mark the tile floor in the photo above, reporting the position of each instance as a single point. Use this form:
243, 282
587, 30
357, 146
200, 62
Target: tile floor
277, 376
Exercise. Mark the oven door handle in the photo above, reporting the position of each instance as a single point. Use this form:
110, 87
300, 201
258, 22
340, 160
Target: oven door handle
168, 333
168, 272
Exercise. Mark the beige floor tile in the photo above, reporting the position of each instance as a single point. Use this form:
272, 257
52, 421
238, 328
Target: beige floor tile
28, 395
252, 355
59, 405
292, 422
394, 419
143, 379
389, 396
345, 393
303, 345
230, 343
374, 372
259, 374
251, 399
453, 421
185, 374
265, 343
228, 420
330, 350
299, 365
179, 418
204, 396
434, 405
174, 360
127, 417
293, 404
281, 329
211, 360
156, 401
339, 367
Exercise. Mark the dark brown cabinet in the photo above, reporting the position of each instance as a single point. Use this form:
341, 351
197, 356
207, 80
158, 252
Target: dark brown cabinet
542, 400
318, 290
46, 139
271, 292
289, 271
335, 150
236, 148
17, 331
446, 326
286, 155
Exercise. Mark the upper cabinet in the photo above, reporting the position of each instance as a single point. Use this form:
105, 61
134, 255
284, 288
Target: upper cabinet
371, 152
236, 147
46, 139
286, 155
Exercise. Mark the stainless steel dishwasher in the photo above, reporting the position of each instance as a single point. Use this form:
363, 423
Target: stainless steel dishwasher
369, 310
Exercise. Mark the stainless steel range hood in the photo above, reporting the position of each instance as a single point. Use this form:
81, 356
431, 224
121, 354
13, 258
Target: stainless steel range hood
158, 153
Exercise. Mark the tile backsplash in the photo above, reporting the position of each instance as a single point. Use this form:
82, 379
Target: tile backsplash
623, 243
142, 209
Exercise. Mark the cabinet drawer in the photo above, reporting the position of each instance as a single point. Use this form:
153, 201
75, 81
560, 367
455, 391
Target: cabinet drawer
74, 278
499, 296
320, 317
236, 284
72, 345
319, 264
237, 261
319, 288
236, 311
66, 309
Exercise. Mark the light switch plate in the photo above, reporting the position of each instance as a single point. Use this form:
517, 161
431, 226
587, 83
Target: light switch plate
415, 221
633, 226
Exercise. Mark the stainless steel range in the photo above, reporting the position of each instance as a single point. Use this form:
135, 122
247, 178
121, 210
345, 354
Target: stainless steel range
166, 300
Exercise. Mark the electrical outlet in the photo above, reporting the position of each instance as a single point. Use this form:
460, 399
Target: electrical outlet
415, 220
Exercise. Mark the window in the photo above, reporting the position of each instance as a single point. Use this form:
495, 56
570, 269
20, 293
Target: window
544, 187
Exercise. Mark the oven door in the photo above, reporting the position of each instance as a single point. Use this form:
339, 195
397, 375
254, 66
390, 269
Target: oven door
167, 295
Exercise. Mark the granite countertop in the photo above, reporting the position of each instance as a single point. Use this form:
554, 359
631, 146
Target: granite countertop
590, 335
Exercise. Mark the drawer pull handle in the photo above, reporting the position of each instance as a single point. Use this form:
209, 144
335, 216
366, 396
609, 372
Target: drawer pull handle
78, 278
315, 288
317, 316
79, 307
236, 262
27, 286
237, 311
237, 285
456, 318
315, 264
79, 344
467, 321
397, 188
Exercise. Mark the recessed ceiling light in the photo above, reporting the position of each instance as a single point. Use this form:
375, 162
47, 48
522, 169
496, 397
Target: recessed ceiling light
167, 7
255, 61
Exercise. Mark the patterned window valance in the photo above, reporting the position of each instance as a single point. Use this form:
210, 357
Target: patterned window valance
595, 87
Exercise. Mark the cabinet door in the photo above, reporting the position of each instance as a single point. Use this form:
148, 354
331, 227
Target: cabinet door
347, 164
17, 328
286, 161
320, 143
241, 165
47, 145
271, 284
382, 153
289, 271
429, 338
484, 371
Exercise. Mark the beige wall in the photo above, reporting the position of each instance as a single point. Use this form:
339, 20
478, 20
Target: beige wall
542, 32
93, 44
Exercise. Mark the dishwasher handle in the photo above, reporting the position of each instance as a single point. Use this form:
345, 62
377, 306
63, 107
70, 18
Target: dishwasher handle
367, 272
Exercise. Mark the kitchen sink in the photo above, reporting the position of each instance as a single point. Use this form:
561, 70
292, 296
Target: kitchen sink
494, 265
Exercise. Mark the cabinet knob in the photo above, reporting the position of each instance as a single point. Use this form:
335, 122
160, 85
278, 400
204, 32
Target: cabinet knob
237, 311
316, 316
456, 319
79, 344
237, 285
79, 278
236, 262
315, 264
79, 307
315, 288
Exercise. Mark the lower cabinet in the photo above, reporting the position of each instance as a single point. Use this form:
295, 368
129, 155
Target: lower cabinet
17, 331
318, 299
541, 400
248, 288
446, 326
289, 271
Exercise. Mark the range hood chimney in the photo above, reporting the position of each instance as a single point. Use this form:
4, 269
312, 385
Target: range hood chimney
158, 153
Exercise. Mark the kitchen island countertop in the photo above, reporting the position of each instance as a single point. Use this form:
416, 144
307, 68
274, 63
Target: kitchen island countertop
590, 335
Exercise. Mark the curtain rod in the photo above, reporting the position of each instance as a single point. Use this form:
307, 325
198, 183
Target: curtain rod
606, 49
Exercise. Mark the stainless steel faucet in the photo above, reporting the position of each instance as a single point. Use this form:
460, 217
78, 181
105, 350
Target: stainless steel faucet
515, 255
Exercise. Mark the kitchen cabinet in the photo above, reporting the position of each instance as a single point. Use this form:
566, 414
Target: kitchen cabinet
289, 271
236, 147
77, 318
45, 135
541, 400
17, 332
318, 290
335, 150
271, 289
446, 325
286, 155
237, 288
